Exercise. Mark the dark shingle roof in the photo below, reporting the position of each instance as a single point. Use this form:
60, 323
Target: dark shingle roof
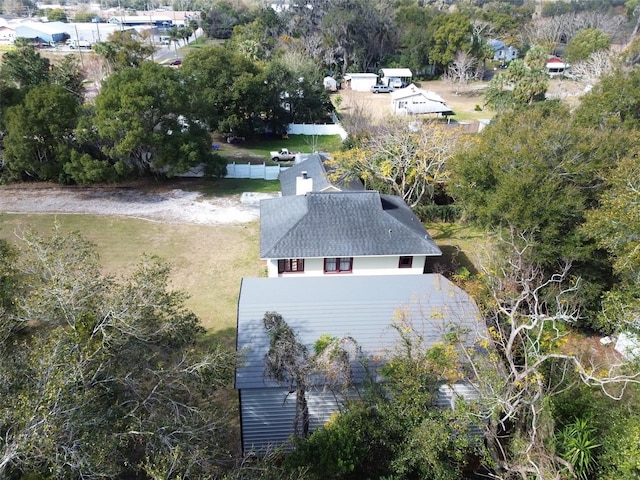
363, 307
341, 224
316, 169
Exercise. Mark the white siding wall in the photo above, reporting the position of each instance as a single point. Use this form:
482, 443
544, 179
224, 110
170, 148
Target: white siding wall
361, 266
363, 84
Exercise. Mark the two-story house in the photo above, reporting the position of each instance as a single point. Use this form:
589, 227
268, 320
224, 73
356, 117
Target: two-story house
345, 262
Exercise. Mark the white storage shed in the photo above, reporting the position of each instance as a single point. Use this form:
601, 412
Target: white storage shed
360, 82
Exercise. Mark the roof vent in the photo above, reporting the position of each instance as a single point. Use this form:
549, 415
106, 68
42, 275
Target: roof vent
304, 174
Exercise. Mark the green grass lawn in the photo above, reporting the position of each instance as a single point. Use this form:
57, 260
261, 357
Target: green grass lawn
258, 149
460, 244
220, 187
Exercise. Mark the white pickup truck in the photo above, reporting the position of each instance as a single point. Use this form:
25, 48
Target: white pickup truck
78, 44
283, 155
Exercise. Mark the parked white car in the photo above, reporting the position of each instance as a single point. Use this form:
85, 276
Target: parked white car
381, 88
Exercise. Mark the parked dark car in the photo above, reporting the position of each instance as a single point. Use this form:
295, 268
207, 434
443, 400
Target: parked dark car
381, 88
176, 63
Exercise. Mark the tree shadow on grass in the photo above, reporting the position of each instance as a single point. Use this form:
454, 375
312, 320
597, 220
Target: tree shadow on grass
452, 260
225, 337
452, 230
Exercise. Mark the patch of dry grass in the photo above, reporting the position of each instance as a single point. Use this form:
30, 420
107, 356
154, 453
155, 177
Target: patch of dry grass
208, 261
377, 107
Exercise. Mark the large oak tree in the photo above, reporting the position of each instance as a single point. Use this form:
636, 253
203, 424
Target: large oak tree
143, 116
102, 377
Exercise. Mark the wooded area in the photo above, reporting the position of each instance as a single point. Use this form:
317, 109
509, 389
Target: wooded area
104, 377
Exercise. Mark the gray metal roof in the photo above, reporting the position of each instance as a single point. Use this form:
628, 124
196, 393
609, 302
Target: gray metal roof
363, 307
341, 224
316, 169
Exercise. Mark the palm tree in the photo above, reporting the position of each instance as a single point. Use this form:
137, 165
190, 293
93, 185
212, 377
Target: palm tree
174, 36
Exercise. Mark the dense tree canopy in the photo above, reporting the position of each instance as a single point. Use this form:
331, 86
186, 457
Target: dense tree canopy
56, 15
102, 377
415, 20
615, 226
225, 86
220, 19
449, 34
507, 176
584, 43
25, 67
143, 116
123, 50
40, 133
614, 102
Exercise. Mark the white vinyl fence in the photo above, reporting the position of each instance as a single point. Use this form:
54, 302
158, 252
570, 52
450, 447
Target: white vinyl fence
246, 170
271, 172
317, 129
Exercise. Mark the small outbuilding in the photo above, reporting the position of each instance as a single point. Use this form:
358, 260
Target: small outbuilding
330, 83
556, 66
396, 77
360, 82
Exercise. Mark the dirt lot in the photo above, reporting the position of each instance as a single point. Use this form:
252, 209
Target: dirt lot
378, 106
166, 205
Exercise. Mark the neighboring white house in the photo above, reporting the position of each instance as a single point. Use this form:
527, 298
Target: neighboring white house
360, 82
503, 53
343, 233
396, 77
413, 100
362, 308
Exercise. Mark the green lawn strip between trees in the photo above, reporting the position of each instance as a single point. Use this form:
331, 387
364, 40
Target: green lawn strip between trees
257, 149
221, 187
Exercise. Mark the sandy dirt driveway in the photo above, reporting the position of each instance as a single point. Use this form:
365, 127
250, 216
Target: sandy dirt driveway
166, 205
464, 102
378, 106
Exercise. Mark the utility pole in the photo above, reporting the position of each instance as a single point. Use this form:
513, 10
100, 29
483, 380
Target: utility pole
78, 46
